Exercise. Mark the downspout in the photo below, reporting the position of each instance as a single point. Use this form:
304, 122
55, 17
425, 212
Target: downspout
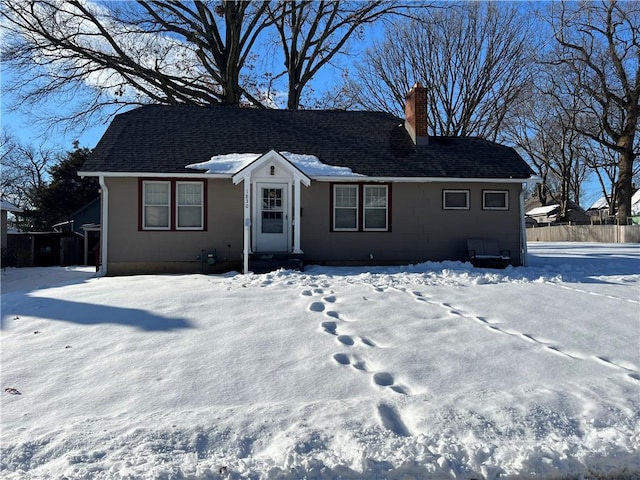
247, 225
523, 228
296, 216
104, 230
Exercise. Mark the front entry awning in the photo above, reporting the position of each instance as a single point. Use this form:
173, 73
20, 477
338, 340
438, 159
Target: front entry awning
271, 177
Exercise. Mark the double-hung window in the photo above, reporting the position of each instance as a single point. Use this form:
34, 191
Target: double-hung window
345, 207
375, 207
189, 205
156, 209
358, 207
172, 205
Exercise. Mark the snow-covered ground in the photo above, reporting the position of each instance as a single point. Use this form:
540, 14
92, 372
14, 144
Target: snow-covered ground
435, 371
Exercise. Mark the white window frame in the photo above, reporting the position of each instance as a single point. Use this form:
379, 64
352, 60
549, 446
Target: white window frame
444, 199
177, 206
144, 204
385, 208
505, 194
356, 208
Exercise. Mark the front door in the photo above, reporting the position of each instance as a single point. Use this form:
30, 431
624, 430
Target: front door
273, 220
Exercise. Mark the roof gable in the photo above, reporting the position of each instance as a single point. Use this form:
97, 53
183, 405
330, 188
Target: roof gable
271, 158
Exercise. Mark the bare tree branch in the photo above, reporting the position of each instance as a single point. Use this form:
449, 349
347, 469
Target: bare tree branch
473, 59
312, 33
598, 44
123, 54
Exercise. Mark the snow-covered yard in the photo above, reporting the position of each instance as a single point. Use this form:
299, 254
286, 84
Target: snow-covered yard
430, 371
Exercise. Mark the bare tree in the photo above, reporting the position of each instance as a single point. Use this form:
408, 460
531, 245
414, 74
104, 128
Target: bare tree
544, 135
157, 51
598, 44
473, 59
544, 131
24, 170
312, 33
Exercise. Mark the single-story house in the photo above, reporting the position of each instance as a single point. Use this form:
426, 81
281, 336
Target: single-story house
550, 213
189, 188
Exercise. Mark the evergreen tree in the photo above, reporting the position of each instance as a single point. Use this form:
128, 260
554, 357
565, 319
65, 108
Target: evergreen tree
65, 193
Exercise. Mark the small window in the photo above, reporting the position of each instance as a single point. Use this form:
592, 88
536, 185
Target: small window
495, 200
189, 206
455, 199
375, 207
156, 199
345, 207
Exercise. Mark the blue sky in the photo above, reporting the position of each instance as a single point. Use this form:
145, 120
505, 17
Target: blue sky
22, 123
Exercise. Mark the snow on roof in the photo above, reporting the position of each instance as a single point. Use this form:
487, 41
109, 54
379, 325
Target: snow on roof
635, 203
234, 162
542, 210
599, 204
9, 207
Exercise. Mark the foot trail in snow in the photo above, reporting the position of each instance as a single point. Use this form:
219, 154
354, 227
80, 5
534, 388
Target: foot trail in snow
548, 345
381, 379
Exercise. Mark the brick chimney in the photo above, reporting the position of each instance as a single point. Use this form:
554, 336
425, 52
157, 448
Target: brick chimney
415, 112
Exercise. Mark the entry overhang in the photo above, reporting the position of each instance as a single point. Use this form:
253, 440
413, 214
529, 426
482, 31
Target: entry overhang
278, 160
261, 169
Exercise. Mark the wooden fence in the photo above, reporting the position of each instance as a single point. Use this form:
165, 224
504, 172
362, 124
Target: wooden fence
585, 233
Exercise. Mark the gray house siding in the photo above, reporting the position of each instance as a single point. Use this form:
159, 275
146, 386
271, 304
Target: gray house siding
131, 250
421, 229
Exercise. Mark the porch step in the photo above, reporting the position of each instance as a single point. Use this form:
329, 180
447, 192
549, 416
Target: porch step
269, 261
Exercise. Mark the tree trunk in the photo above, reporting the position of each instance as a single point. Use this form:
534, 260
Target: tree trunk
624, 184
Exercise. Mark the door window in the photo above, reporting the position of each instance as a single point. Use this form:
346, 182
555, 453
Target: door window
272, 211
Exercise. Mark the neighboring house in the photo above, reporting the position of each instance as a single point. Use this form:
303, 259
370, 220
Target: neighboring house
185, 187
87, 215
538, 214
86, 222
6, 207
600, 208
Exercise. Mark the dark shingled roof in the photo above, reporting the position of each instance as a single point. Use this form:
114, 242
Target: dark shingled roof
163, 139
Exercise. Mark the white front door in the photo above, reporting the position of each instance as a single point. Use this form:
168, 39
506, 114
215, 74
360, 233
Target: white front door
272, 218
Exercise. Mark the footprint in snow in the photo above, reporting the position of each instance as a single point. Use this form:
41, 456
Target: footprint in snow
383, 379
392, 421
342, 358
345, 340
316, 307
367, 342
329, 327
355, 362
